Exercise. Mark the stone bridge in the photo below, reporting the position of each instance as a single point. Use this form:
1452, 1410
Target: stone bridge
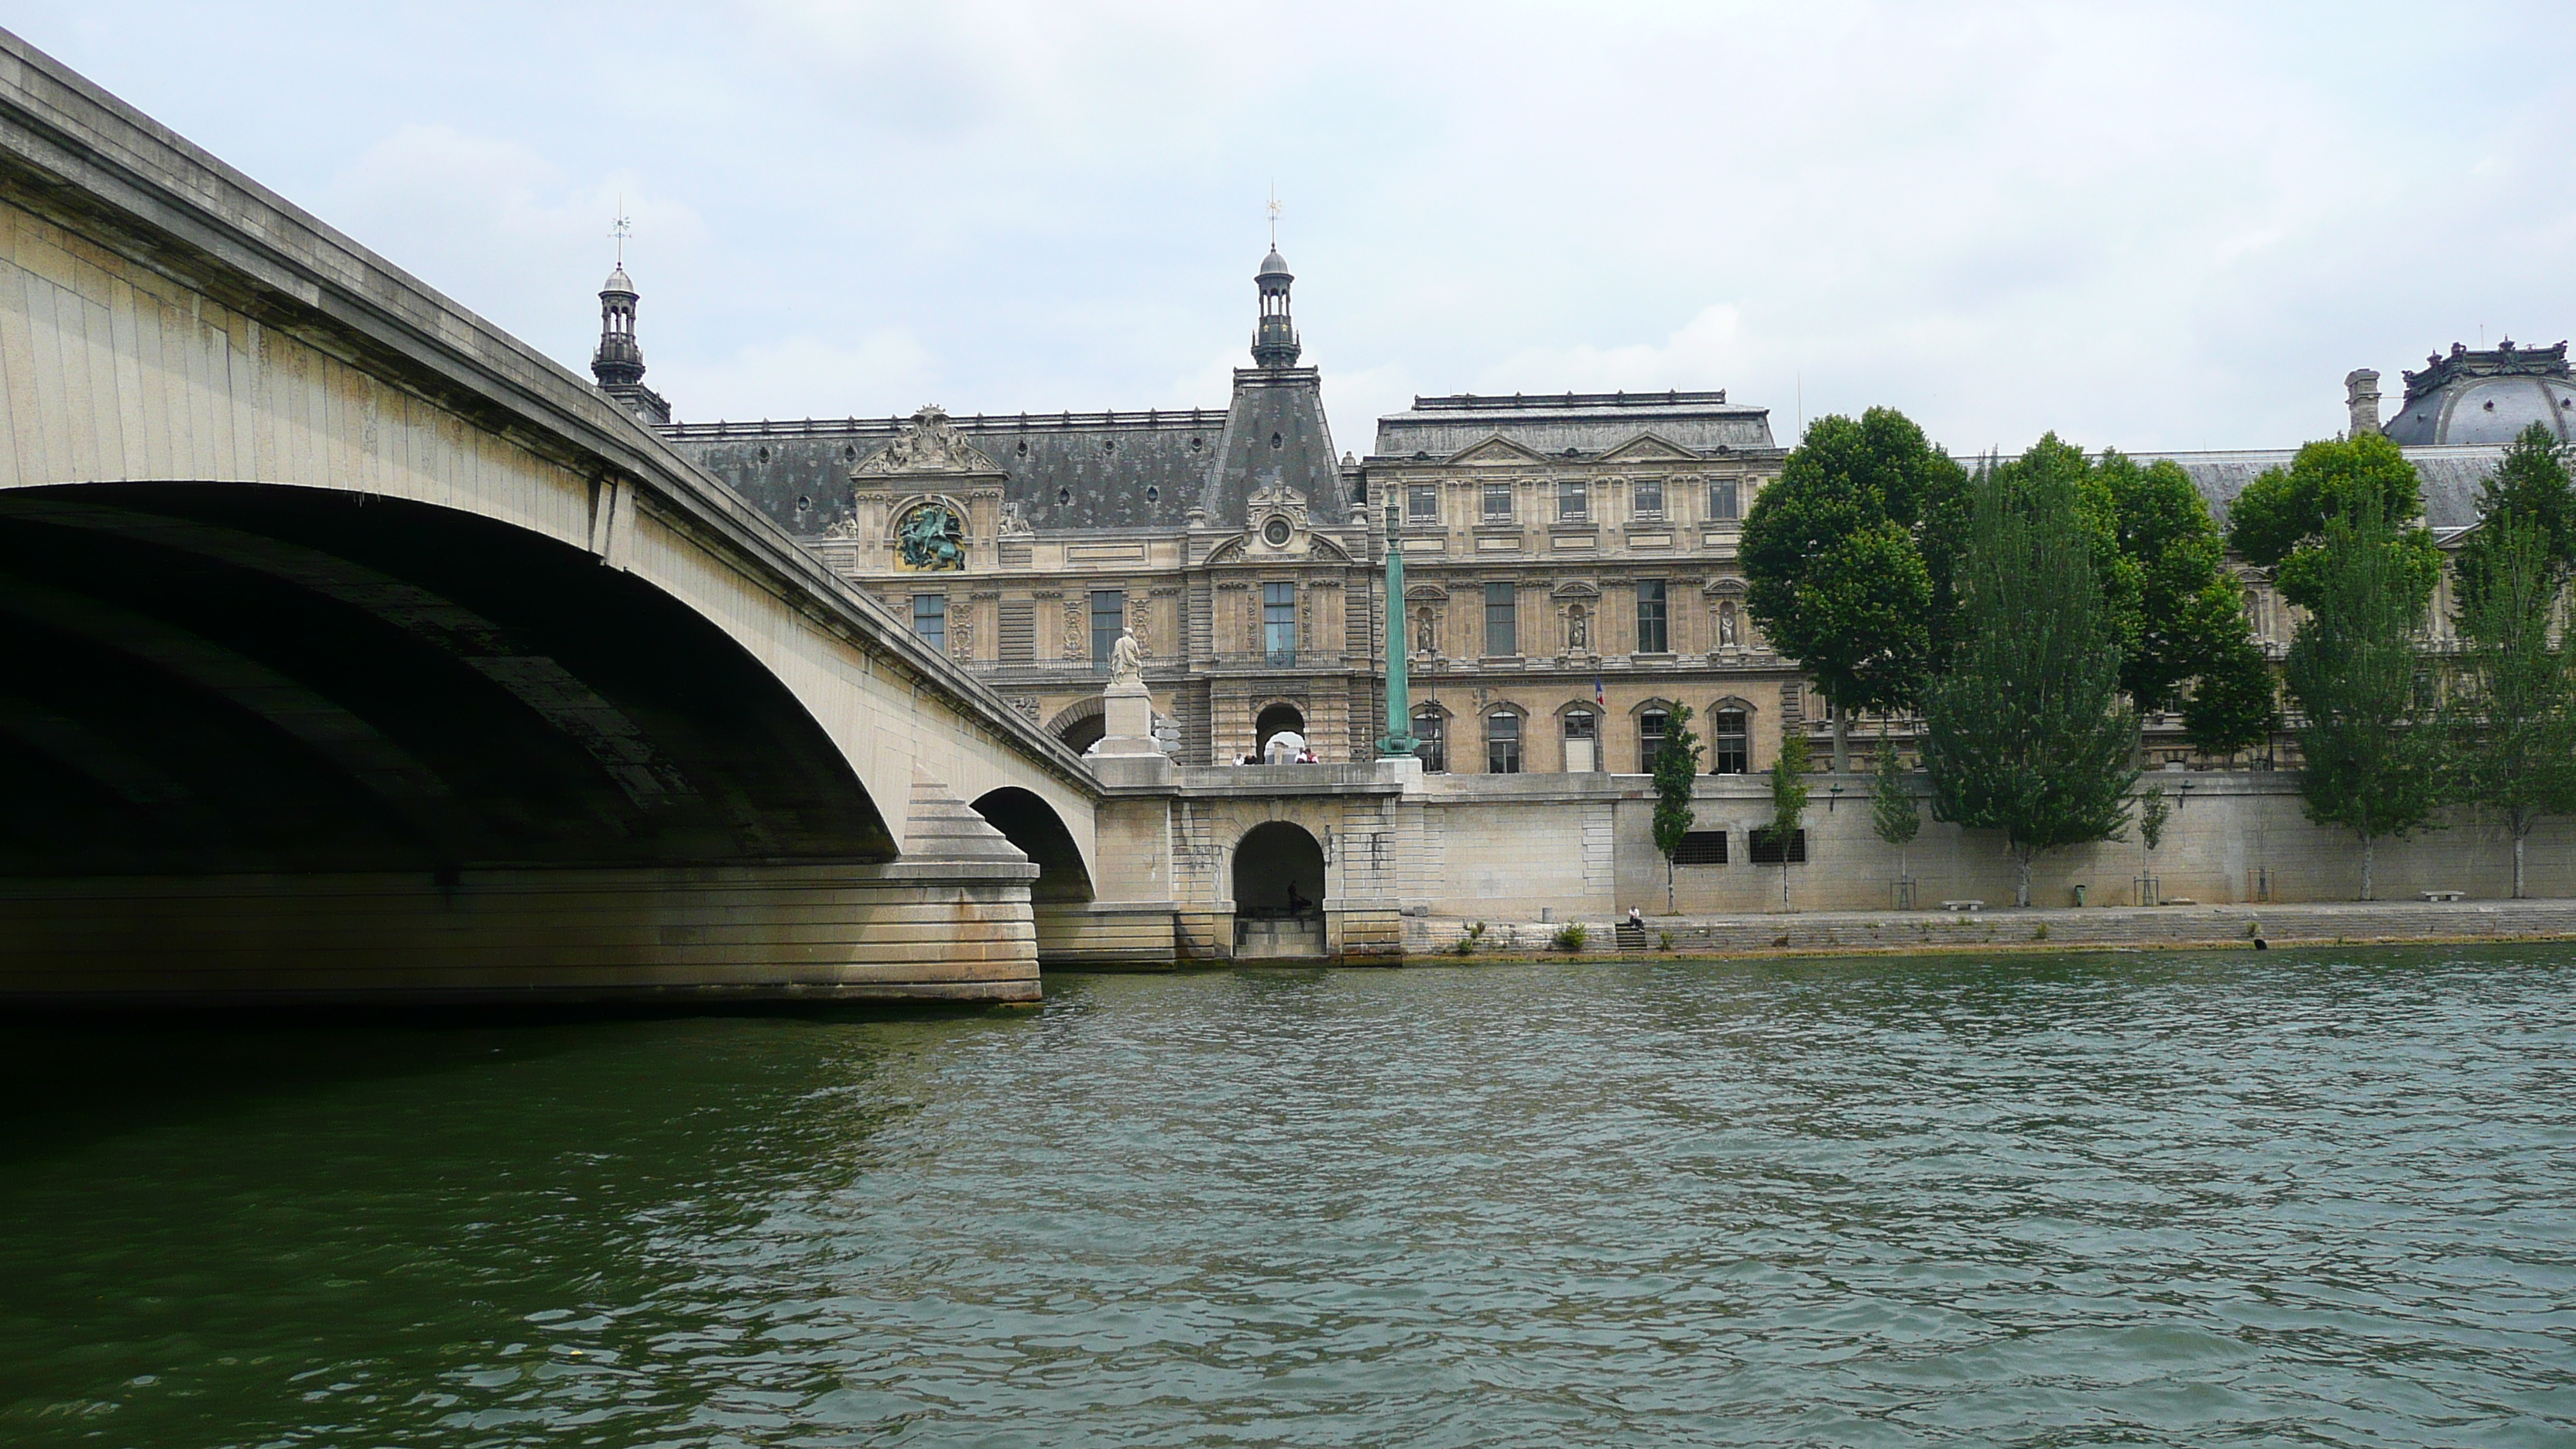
356, 651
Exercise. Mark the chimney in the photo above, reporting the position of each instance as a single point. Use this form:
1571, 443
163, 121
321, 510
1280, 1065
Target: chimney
2361, 396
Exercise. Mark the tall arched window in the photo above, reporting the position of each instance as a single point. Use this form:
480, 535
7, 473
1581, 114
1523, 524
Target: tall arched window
1730, 738
1582, 742
1434, 749
1653, 728
1502, 743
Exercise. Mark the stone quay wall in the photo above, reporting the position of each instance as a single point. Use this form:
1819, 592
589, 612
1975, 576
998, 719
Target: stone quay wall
1510, 845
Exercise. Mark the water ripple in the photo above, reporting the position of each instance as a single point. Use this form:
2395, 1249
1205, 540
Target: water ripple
2321, 1198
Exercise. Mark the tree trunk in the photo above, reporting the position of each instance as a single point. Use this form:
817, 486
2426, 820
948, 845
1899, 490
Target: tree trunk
2369, 862
1842, 740
2519, 834
1668, 885
2021, 887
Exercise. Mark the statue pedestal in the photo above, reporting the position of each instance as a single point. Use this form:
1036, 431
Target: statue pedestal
1127, 712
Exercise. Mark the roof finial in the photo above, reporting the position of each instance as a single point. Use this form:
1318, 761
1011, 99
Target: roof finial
621, 228
1274, 216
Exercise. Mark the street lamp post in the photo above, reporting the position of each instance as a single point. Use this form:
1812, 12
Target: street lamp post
1398, 742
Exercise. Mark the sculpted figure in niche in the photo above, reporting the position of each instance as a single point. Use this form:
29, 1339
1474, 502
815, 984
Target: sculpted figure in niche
1578, 631
1726, 635
1426, 633
933, 538
1126, 659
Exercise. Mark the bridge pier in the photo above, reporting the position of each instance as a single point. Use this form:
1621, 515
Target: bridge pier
942, 930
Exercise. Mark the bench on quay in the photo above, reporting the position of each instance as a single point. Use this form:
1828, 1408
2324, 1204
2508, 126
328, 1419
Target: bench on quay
2442, 897
1963, 905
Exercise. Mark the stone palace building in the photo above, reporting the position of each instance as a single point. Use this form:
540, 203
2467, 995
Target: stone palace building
1572, 561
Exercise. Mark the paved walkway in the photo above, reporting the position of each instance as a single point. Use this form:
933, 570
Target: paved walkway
2131, 926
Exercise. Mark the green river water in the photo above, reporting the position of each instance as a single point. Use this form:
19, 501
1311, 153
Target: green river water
2300, 1197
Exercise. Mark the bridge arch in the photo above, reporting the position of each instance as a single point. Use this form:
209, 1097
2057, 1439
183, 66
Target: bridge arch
1030, 823
243, 677
1278, 871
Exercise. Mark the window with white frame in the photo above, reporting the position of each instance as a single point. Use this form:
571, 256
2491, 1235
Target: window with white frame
1422, 503
1498, 503
1573, 501
1647, 498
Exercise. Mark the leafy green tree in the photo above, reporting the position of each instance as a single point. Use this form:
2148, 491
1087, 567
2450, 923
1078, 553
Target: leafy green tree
1788, 801
2513, 704
2235, 701
1848, 556
2530, 487
2190, 622
2028, 734
1676, 766
2177, 613
2279, 521
2374, 758
1892, 812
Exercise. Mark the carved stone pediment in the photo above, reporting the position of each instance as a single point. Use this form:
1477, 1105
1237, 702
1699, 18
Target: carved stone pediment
930, 443
1648, 448
1277, 498
1496, 449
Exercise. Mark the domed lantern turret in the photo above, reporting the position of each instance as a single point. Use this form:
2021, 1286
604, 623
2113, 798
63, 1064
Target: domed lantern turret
1274, 340
619, 361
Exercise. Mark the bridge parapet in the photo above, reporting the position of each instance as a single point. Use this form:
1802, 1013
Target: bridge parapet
330, 576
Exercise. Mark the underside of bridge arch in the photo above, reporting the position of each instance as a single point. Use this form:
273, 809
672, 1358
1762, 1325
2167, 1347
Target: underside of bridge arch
245, 678
292, 742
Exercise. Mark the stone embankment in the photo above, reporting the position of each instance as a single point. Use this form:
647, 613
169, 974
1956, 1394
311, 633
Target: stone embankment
2157, 927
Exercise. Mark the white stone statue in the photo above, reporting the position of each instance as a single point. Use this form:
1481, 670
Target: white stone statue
1126, 659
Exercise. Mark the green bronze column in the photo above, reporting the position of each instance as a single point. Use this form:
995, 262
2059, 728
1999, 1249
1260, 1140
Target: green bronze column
1398, 742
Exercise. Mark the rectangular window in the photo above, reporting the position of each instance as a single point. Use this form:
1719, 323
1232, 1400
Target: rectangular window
1108, 621
1422, 503
1725, 501
1503, 744
1701, 847
1498, 503
1279, 623
1764, 848
930, 620
1502, 620
1649, 498
1573, 501
1653, 728
1651, 635
1730, 743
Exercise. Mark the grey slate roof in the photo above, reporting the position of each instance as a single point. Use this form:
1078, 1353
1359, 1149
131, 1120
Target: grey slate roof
1121, 470
2450, 477
1591, 423
1275, 433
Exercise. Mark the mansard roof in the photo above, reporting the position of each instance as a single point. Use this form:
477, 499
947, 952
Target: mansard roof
2449, 477
1591, 423
1120, 469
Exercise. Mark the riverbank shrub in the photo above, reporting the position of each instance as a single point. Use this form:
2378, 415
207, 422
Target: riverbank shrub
1571, 936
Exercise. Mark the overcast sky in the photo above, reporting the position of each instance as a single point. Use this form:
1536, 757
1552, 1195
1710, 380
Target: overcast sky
2151, 226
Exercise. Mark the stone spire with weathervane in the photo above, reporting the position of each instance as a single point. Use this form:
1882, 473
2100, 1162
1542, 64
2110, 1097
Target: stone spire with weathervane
1274, 339
619, 361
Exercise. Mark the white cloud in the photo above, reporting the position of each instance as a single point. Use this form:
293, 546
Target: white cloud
798, 377
2156, 226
